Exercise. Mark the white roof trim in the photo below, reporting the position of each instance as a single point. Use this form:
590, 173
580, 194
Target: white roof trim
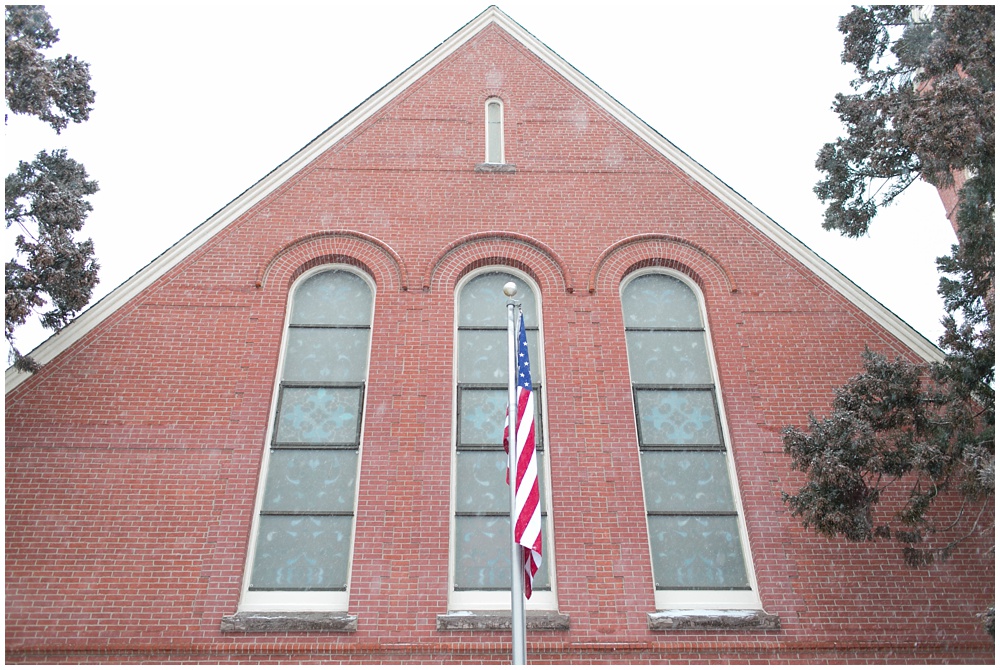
105, 307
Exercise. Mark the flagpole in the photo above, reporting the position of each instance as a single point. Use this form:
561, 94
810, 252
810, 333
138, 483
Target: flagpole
517, 623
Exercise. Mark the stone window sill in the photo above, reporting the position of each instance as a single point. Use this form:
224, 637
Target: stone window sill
289, 622
500, 620
713, 620
496, 167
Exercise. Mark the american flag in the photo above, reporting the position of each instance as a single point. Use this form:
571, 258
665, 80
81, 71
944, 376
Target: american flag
528, 510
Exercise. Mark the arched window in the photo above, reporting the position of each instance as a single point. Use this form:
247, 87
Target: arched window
480, 568
696, 533
494, 131
303, 530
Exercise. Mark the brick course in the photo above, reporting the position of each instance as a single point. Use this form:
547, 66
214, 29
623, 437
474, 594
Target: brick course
133, 458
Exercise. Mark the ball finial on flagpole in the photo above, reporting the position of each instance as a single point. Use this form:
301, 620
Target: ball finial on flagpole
509, 289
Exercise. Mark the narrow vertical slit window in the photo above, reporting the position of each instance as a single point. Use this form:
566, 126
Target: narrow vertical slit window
696, 533
303, 530
481, 552
494, 131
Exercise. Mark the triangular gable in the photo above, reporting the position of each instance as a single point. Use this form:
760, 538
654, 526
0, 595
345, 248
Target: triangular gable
132, 287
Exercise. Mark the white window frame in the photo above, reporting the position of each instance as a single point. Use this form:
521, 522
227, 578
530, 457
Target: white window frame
466, 600
303, 601
670, 599
500, 150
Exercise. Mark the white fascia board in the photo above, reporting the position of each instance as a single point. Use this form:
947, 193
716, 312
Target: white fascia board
162, 264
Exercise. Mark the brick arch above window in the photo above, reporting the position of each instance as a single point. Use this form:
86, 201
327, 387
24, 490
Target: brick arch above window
497, 93
365, 252
494, 92
658, 250
497, 248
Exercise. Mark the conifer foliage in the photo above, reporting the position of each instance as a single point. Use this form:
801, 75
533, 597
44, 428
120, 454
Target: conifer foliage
45, 200
901, 435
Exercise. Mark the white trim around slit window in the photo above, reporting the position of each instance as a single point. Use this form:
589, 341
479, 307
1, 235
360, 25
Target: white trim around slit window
494, 131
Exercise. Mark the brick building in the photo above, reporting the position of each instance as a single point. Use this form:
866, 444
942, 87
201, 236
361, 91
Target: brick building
280, 440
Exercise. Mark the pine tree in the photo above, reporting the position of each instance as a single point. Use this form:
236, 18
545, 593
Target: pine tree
923, 108
46, 198
902, 437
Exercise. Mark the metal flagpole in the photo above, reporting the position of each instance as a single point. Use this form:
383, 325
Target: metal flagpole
517, 623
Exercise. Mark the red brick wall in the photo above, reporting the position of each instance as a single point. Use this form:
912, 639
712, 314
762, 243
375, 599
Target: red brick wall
132, 459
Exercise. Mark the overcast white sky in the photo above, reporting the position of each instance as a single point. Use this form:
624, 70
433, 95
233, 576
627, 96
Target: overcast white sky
195, 103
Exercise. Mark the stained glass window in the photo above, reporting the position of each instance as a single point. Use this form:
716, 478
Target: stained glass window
482, 497
694, 529
304, 528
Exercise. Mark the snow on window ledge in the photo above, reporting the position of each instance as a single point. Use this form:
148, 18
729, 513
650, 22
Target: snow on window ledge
282, 622
713, 620
496, 167
500, 620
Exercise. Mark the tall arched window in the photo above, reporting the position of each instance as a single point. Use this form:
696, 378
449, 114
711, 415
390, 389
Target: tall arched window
480, 567
696, 533
302, 536
494, 131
